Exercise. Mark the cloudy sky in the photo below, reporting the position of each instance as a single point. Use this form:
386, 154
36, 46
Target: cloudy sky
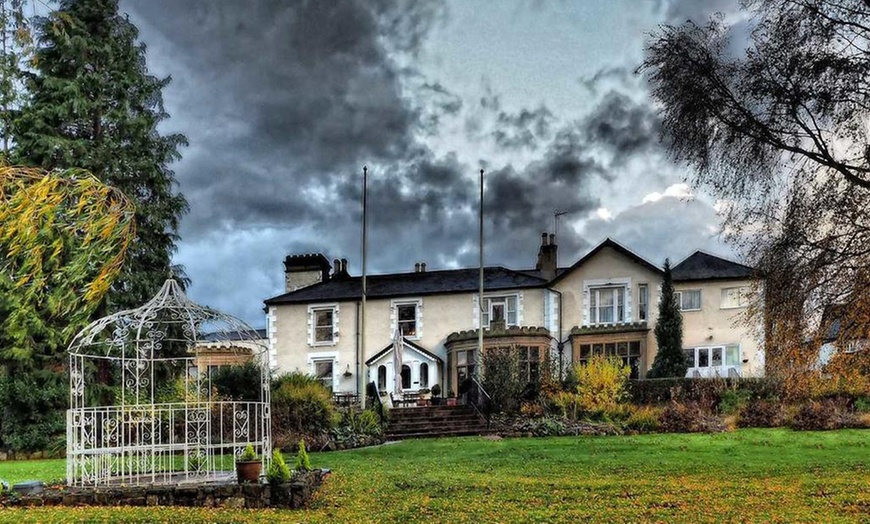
284, 102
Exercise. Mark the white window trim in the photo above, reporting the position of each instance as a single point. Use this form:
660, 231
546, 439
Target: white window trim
394, 315
700, 298
321, 356
648, 308
746, 297
518, 296
591, 284
335, 321
696, 349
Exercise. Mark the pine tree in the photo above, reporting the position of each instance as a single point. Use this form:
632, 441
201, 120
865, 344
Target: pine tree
670, 360
93, 105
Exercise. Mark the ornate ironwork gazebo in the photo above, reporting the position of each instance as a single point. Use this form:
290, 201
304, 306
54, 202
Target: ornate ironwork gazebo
143, 409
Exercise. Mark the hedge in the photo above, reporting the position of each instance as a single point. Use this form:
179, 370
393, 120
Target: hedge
706, 391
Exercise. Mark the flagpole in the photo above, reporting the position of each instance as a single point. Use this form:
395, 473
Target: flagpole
479, 359
362, 345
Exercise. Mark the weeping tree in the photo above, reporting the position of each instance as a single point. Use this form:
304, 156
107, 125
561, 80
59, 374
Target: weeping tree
63, 239
92, 104
779, 133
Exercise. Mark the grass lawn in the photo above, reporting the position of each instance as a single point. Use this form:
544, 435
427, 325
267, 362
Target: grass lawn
744, 476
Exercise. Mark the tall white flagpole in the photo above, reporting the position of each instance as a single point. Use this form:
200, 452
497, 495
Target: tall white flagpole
362, 344
479, 359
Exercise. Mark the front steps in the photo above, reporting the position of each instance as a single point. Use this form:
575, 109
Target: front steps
434, 421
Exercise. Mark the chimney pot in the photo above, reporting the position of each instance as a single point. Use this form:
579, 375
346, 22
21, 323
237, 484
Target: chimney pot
336, 267
416, 267
552, 239
422, 267
344, 266
543, 239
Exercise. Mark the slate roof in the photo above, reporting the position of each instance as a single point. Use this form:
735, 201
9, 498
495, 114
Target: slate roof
704, 266
225, 336
411, 284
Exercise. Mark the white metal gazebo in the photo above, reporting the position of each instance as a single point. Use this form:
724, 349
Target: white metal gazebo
143, 409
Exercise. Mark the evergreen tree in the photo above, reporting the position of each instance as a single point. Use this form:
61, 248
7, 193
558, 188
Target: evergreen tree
93, 105
670, 360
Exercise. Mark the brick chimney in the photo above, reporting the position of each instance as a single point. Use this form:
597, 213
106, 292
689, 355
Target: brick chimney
305, 270
547, 256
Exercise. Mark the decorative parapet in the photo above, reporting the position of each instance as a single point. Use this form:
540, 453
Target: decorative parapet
609, 328
513, 331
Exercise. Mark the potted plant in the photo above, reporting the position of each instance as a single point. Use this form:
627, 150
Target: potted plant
278, 476
248, 468
423, 399
436, 395
451, 398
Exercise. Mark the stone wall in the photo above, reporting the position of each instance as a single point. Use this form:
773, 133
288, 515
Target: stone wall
294, 495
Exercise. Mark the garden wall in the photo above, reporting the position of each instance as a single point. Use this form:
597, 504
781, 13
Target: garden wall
294, 495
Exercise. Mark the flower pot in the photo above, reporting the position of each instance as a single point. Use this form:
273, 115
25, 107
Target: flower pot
248, 471
452, 401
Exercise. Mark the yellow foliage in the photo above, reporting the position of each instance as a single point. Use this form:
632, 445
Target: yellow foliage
601, 383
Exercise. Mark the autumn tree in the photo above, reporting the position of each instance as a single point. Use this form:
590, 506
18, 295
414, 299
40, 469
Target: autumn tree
92, 104
670, 361
778, 132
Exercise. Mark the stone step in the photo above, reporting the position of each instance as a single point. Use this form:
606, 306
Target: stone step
438, 434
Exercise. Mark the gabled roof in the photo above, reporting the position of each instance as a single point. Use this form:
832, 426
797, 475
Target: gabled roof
704, 266
411, 284
407, 342
608, 242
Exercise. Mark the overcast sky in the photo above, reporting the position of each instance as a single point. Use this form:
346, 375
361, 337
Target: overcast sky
284, 102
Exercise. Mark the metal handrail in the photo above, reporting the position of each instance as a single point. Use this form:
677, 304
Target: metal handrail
484, 408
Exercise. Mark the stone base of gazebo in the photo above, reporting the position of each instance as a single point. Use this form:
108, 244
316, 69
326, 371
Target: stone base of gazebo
214, 494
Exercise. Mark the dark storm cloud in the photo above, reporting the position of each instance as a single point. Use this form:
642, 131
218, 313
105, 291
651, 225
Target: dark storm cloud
524, 129
623, 126
669, 227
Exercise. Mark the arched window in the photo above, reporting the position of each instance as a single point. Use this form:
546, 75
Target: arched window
382, 378
406, 377
424, 375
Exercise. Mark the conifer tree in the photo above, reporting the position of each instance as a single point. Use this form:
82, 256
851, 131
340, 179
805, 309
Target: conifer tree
670, 360
92, 104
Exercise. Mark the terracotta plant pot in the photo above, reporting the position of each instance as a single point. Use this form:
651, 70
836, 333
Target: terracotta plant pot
248, 471
452, 401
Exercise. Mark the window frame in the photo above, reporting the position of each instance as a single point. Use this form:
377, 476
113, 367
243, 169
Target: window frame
643, 302
743, 294
418, 317
313, 327
700, 299
617, 306
506, 300
322, 379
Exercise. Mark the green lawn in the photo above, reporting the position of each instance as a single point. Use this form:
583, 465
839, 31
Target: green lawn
748, 475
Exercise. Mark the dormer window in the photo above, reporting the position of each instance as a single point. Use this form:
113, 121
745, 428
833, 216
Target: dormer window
607, 305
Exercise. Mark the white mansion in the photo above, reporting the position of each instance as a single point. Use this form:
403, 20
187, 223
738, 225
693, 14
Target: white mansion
605, 303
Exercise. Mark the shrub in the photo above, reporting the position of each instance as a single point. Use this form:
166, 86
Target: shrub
303, 463
248, 455
436, 390
33, 405
501, 378
823, 415
302, 405
238, 382
761, 414
689, 417
532, 409
277, 472
862, 405
548, 427
662, 391
601, 383
644, 419
733, 400
566, 404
